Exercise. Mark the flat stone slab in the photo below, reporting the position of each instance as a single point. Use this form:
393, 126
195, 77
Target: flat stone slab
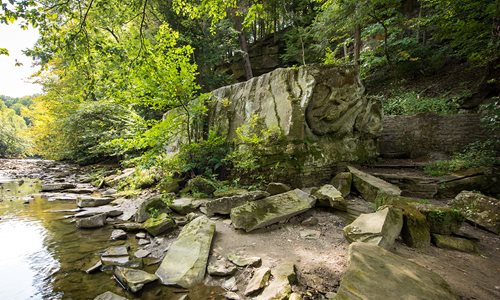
258, 281
51, 187
116, 251
380, 228
91, 222
89, 201
455, 243
184, 206
220, 267
109, 296
377, 274
110, 211
280, 286
479, 209
369, 186
133, 279
186, 260
274, 209
224, 205
243, 261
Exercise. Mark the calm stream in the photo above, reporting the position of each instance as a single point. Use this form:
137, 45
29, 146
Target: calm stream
43, 255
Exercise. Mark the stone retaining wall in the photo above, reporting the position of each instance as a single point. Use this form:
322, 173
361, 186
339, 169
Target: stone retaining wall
427, 134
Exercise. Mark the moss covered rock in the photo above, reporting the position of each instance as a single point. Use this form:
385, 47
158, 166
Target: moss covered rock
369, 186
201, 185
329, 196
455, 243
479, 209
441, 219
158, 225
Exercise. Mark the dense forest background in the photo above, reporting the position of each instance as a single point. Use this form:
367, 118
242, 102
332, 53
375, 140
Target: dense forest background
113, 70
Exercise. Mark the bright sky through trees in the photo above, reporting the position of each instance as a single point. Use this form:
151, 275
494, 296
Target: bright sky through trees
14, 80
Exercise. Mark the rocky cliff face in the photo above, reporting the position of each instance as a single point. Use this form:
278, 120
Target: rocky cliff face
320, 111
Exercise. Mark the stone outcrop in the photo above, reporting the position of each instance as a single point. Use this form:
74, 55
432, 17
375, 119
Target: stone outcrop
369, 186
479, 209
224, 205
377, 274
186, 260
320, 111
258, 214
380, 228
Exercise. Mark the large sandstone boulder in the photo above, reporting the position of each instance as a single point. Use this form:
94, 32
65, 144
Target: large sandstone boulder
479, 209
369, 186
380, 228
224, 205
320, 110
377, 274
258, 214
186, 260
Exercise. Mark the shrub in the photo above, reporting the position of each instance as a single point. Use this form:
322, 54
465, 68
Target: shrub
409, 103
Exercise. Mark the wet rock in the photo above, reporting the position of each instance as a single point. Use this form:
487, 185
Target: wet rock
186, 261
133, 279
342, 182
280, 286
275, 188
118, 234
454, 243
91, 222
369, 186
375, 273
115, 260
51, 187
116, 251
129, 227
243, 261
159, 225
143, 242
258, 281
225, 204
89, 201
274, 209
154, 202
380, 228
141, 253
441, 219
220, 267
479, 209
329, 196
184, 206
109, 210
94, 268
109, 296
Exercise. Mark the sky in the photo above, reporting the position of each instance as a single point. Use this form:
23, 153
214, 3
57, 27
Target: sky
14, 80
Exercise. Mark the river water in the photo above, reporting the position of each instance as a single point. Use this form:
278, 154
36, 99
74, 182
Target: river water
43, 255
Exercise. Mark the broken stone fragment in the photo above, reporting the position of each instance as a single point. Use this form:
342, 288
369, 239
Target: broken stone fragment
258, 281
479, 209
185, 263
369, 186
159, 225
224, 205
342, 182
275, 188
441, 219
133, 279
270, 210
109, 296
329, 196
243, 261
280, 286
220, 267
454, 243
369, 264
380, 228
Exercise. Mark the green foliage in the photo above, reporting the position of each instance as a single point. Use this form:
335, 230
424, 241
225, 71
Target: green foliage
490, 115
13, 141
478, 154
408, 103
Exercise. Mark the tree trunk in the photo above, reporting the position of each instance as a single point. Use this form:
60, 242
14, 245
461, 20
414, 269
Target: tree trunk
357, 44
238, 24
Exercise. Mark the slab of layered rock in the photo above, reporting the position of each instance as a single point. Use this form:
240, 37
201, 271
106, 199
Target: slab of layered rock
51, 187
110, 211
277, 208
479, 209
258, 281
280, 286
147, 204
275, 188
89, 201
369, 186
377, 274
441, 219
133, 279
184, 206
455, 243
186, 260
329, 196
380, 228
91, 222
224, 205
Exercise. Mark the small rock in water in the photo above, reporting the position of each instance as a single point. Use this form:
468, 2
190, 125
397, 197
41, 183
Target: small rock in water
109, 296
134, 279
92, 222
242, 261
141, 253
118, 234
115, 260
116, 251
97, 266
